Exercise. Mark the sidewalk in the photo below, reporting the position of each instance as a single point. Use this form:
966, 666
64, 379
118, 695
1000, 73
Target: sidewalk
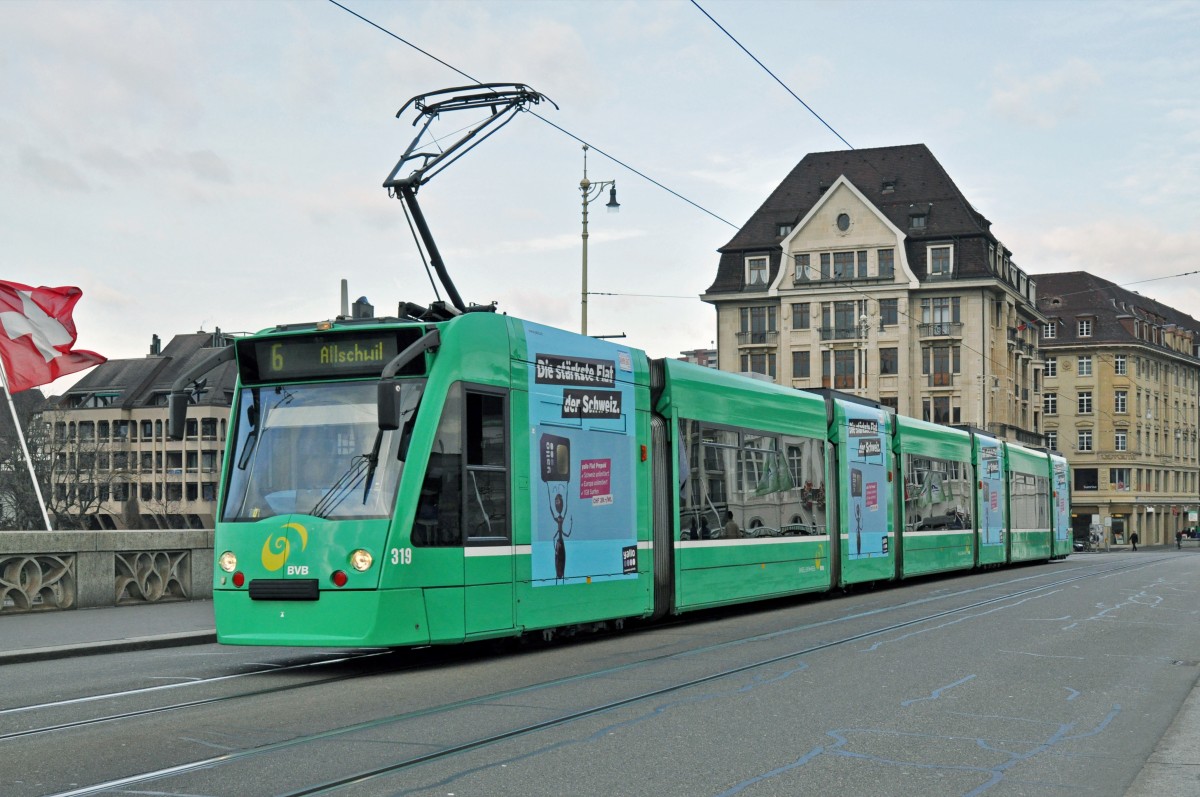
39, 636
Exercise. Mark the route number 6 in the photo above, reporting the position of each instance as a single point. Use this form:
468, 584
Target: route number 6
402, 556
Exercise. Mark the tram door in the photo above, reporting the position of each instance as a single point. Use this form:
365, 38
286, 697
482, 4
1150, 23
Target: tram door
463, 522
487, 560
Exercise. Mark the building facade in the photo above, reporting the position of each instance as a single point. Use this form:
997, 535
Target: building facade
1122, 374
868, 271
109, 462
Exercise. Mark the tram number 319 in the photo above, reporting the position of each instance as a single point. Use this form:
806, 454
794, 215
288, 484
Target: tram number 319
402, 556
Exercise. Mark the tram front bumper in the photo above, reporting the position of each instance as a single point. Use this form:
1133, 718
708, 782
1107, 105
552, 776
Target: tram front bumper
338, 618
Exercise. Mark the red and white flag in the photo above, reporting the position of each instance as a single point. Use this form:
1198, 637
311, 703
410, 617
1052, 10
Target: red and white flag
37, 333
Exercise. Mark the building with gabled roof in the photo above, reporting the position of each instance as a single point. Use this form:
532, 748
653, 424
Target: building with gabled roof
1122, 373
112, 465
868, 271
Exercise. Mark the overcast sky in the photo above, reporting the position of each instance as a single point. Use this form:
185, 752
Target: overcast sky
193, 165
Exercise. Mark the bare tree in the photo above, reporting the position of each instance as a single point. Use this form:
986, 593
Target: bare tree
82, 470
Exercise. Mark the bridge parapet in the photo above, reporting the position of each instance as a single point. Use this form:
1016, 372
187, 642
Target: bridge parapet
55, 570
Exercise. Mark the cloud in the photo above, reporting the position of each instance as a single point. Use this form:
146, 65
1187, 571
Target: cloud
52, 172
1132, 253
1044, 99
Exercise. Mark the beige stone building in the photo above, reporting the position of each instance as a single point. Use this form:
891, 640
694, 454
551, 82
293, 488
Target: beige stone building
868, 271
1122, 374
109, 460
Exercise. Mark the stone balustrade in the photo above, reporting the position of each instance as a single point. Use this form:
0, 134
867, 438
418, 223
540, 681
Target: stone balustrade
54, 570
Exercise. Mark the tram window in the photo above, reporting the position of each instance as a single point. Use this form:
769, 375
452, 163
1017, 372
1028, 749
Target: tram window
439, 506
773, 484
486, 511
485, 430
1029, 497
465, 498
937, 494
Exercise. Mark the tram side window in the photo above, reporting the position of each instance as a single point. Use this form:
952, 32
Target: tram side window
937, 493
465, 498
1029, 497
440, 505
486, 472
773, 485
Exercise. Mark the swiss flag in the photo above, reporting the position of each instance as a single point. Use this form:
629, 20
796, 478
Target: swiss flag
37, 333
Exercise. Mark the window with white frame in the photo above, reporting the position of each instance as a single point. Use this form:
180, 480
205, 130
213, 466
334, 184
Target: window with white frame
1084, 440
1118, 479
1084, 402
1085, 328
1049, 403
1050, 331
1119, 439
1119, 365
941, 261
1051, 366
756, 271
1052, 440
1084, 364
1121, 401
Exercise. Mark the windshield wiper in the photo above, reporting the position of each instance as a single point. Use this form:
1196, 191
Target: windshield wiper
251, 442
372, 464
354, 475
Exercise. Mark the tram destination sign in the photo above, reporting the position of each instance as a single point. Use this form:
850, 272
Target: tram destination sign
328, 355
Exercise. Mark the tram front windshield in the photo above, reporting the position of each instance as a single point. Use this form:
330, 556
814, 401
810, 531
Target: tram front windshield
315, 450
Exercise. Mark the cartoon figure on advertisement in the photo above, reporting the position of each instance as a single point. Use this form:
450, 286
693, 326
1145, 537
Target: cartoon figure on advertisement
559, 513
556, 474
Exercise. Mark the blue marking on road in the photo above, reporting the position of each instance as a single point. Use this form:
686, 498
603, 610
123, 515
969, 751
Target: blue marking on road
996, 774
937, 692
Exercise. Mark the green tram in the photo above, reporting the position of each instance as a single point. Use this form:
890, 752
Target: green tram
397, 482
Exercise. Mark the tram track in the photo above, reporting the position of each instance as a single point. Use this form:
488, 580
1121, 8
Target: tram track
133, 714
428, 714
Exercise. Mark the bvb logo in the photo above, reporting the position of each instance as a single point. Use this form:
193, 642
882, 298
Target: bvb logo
276, 549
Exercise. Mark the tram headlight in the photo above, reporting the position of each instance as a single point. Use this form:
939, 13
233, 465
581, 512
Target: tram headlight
361, 560
228, 562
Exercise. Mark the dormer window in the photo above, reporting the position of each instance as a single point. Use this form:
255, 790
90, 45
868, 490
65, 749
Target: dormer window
941, 261
889, 186
917, 222
1085, 328
782, 229
756, 272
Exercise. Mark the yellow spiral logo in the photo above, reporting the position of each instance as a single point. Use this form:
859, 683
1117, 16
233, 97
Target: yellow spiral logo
276, 549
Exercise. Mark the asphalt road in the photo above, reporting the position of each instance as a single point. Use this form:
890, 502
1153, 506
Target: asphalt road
1055, 679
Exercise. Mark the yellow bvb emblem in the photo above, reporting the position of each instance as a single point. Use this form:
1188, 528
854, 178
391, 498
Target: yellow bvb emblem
276, 549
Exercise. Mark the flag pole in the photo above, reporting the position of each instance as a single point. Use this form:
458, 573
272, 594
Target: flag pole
25, 449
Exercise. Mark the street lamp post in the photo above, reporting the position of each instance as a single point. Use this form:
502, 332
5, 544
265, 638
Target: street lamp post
590, 191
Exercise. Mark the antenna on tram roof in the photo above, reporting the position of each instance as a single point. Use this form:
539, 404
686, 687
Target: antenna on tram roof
504, 100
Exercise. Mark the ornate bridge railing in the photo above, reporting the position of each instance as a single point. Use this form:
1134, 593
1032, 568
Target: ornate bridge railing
54, 570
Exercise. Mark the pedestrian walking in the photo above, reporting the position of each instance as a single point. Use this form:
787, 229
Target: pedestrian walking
1179, 539
1133, 538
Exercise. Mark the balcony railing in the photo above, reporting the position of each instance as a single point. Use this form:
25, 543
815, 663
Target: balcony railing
843, 333
758, 338
939, 379
940, 329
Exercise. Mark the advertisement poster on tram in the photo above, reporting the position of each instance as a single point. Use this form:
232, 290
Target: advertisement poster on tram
1062, 494
581, 410
865, 473
991, 493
